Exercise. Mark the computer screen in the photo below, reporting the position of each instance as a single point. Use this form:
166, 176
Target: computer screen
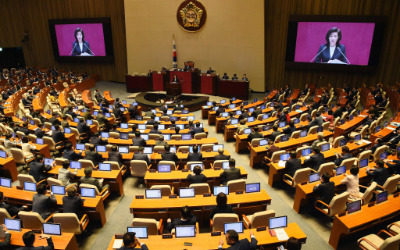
58, 190
108, 115
225, 114
378, 128
3, 154
80, 146
67, 130
145, 137
75, 164
76, 120
234, 121
5, 182
340, 170
282, 124
134, 103
105, 135
262, 107
209, 103
342, 142
384, 155
101, 149
124, 136
192, 165
303, 133
221, 189
185, 231
255, 100
124, 102
238, 112
351, 117
284, 157
266, 116
186, 193
186, 137
232, 106
218, 146
180, 126
306, 151
250, 119
353, 206
185, 111
247, 131
153, 193
253, 187
122, 109
164, 168
313, 177
284, 138
277, 222
263, 142
172, 149
215, 108
325, 147
95, 113
225, 165
49, 111
32, 122
342, 122
161, 127
39, 141
320, 129
142, 126
237, 226
124, 125
104, 166
296, 121
363, 163
12, 224
30, 186
251, 110
123, 150
222, 101
357, 137
140, 232
148, 150
266, 128
381, 197
88, 192
139, 118
52, 228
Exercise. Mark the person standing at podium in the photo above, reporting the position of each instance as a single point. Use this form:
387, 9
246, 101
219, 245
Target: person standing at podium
175, 79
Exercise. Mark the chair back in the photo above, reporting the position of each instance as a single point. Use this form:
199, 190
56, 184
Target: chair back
338, 204
31, 220
183, 149
260, 219
164, 118
379, 151
325, 125
219, 163
336, 141
86, 163
134, 149
114, 165
165, 189
25, 178
236, 185
276, 156
114, 135
349, 162
326, 168
278, 138
18, 155
151, 224
391, 243
300, 149
54, 182
170, 163
364, 155
159, 149
32, 138
364, 131
390, 184
49, 141
4, 214
256, 142
153, 136
207, 147
138, 168
69, 222
200, 188
176, 137
219, 221
313, 130
295, 135
199, 136
367, 196
303, 117
300, 176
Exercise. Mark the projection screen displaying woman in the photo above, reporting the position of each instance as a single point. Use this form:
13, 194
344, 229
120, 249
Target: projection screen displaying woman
332, 51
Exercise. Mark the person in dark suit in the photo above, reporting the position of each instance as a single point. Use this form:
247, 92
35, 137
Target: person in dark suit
168, 155
37, 169
222, 206
230, 174
80, 47
289, 130
155, 130
315, 160
114, 155
221, 156
72, 202
88, 179
232, 239
332, 51
29, 240
12, 210
187, 218
195, 156
318, 120
141, 156
97, 140
343, 156
42, 203
39, 132
197, 129
161, 141
58, 135
25, 128
7, 238
275, 132
197, 176
380, 174
255, 134
83, 127
175, 79
378, 99
131, 241
219, 110
70, 112
93, 155
326, 190
69, 152
293, 164
151, 121
224, 77
378, 143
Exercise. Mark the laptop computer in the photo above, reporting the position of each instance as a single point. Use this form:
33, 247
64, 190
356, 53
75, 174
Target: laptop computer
306, 152
282, 124
313, 177
148, 150
247, 131
124, 125
39, 141
340, 170
123, 150
237, 226
381, 197
142, 126
263, 142
192, 165
153, 193
164, 168
221, 189
234, 121
252, 187
101, 149
30, 186
67, 130
363, 163
325, 147
75, 165
284, 157
342, 142
222, 101
353, 206
277, 222
105, 135
225, 114
357, 137
140, 232
180, 126
250, 119
104, 167
5, 182
185, 231
12, 224
3, 154
58, 190
80, 146
186, 137
225, 165
88, 192
52, 228
284, 138
124, 136
186, 193
145, 137
384, 155
251, 110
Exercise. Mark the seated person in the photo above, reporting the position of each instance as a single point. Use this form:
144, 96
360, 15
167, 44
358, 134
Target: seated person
222, 206
65, 175
380, 174
320, 138
255, 134
88, 179
244, 78
274, 133
25, 128
39, 132
97, 140
293, 164
230, 174
58, 135
168, 155
72, 202
224, 77
234, 77
7, 238
131, 241
12, 210
42, 203
29, 241
187, 218
272, 148
289, 130
114, 155
138, 141
161, 141
69, 152
221, 155
378, 143
326, 190
37, 169
93, 155
315, 160
196, 176
352, 183
141, 156
232, 239
197, 129
155, 130
195, 156
343, 156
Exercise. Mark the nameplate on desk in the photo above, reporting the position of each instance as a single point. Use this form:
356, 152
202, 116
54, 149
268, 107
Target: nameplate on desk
207, 195
167, 236
304, 183
139, 197
261, 229
371, 204
37, 231
239, 192
342, 214
119, 236
152, 170
185, 170
173, 196
217, 168
215, 233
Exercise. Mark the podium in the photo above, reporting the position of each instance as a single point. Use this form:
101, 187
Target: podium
174, 89
190, 80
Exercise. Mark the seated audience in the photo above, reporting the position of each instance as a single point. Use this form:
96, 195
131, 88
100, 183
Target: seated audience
315, 160
131, 241
232, 239
72, 202
230, 174
195, 156
69, 152
141, 156
187, 218
293, 164
37, 168
137, 140
196, 176
352, 183
168, 155
42, 203
65, 175
93, 155
326, 190
380, 174
222, 206
29, 241
221, 155
342, 156
88, 179
114, 155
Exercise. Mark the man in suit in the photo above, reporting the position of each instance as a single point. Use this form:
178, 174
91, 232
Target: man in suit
93, 155
230, 174
39, 132
343, 156
195, 156
69, 152
141, 156
70, 112
274, 133
197, 176
25, 128
12, 210
187, 218
37, 169
102, 119
29, 240
168, 155
318, 120
58, 135
197, 129
131, 241
155, 130
88, 179
289, 130
256, 134
315, 160
151, 121
380, 174
97, 140
72, 202
232, 239
138, 141
320, 138
83, 127
378, 143
293, 164
114, 155
42, 203
326, 190
161, 141
221, 156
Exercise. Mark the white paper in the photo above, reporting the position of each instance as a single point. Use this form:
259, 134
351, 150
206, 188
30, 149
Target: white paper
281, 164
365, 141
390, 128
395, 124
363, 115
299, 111
281, 234
117, 243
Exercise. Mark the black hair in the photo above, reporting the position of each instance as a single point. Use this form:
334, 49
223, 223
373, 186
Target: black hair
76, 33
332, 30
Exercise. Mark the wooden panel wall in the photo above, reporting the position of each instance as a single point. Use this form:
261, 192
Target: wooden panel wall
20, 16
277, 14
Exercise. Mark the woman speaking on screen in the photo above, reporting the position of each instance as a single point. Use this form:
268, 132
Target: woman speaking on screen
80, 47
332, 51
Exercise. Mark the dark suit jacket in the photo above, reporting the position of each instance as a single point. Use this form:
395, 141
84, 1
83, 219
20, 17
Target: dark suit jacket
83, 128
318, 121
93, 156
138, 142
379, 175
315, 161
201, 178
325, 55
39, 133
37, 169
26, 131
168, 156
254, 135
292, 165
180, 222
76, 49
142, 157
274, 135
222, 210
91, 181
153, 131
325, 191
42, 204
219, 157
289, 130
142, 247
50, 246
12, 210
71, 155
243, 244
115, 156
98, 141
339, 160
58, 136
73, 205
197, 130
195, 157
229, 175
6, 242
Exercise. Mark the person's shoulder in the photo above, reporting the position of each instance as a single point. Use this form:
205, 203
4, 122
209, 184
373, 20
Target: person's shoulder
322, 46
341, 46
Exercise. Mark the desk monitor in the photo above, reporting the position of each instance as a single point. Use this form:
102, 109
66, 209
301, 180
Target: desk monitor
104, 167
353, 206
169, 112
296, 121
251, 110
39, 141
88, 192
101, 149
139, 118
52, 228
5, 182
351, 117
313, 177
303, 133
110, 106
378, 128
108, 115
161, 127
284, 138
186, 193
48, 111
284, 157
234, 121
186, 137
255, 100
124, 102
383, 155
134, 104
238, 112
95, 113
342, 121
172, 149
342, 142
225, 164
282, 124
272, 104
80, 146
123, 150
253, 187
325, 147
142, 126
12, 224
232, 106
222, 101
381, 197
320, 129
32, 122
148, 150
247, 131
122, 109
215, 108
340, 170
306, 152
233, 99
124, 136
105, 135
67, 130
277, 222
245, 103
124, 125
209, 103
30, 186
250, 119
145, 136
164, 168
192, 165
75, 165
237, 226
185, 231
76, 120
221, 189
58, 190
266, 128
140, 232
48, 161
263, 142
89, 122
218, 146
225, 114
357, 137
153, 193
3, 154
262, 107
266, 116
185, 111
398, 148
363, 163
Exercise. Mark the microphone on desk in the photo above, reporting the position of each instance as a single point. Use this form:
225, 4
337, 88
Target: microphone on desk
73, 48
312, 60
343, 55
89, 48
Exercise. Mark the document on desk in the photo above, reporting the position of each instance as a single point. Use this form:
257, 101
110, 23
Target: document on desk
299, 111
365, 141
281, 234
281, 163
391, 128
117, 243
